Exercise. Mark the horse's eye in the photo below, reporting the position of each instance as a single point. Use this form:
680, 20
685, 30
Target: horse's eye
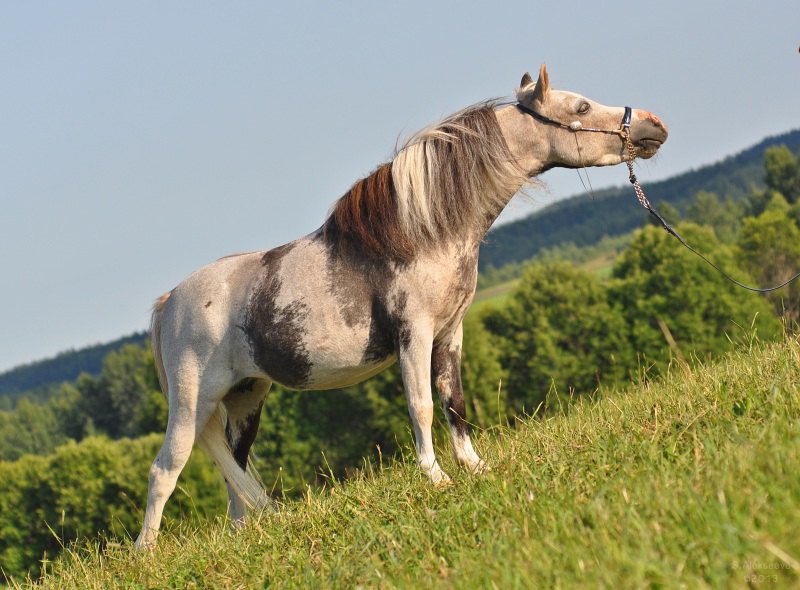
584, 108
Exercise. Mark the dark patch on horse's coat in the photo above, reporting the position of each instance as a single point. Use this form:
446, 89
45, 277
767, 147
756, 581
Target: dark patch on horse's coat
244, 386
248, 428
208, 304
353, 282
446, 369
389, 332
275, 334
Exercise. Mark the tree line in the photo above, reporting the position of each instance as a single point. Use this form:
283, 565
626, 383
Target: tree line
77, 463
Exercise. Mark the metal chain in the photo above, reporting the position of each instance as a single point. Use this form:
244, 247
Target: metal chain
631, 176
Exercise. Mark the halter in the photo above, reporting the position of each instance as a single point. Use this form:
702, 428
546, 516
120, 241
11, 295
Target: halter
575, 126
624, 132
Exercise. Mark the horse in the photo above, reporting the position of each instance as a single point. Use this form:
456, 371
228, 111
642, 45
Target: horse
387, 278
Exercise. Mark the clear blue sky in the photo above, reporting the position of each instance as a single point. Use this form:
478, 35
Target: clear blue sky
141, 140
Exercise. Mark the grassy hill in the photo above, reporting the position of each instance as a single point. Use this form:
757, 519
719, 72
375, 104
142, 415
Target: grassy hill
616, 211
687, 483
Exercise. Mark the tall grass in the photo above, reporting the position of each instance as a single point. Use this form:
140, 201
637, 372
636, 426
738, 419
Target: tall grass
688, 483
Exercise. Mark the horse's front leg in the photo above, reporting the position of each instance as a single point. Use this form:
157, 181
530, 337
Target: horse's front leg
415, 366
446, 364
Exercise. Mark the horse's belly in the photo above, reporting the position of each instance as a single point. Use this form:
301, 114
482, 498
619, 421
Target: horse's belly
340, 356
335, 377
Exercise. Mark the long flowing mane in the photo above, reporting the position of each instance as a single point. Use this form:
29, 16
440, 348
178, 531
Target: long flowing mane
452, 177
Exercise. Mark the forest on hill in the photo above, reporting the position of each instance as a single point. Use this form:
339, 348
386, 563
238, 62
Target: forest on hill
74, 465
36, 379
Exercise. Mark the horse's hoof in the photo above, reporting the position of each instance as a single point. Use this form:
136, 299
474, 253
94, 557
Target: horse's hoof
443, 483
481, 467
440, 479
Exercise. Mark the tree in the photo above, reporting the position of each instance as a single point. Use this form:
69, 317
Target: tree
723, 217
770, 248
676, 305
558, 334
781, 177
782, 172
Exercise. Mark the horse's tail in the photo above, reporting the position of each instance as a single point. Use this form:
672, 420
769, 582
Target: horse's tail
243, 481
155, 339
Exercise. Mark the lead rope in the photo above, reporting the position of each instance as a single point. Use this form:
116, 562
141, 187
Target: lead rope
646, 204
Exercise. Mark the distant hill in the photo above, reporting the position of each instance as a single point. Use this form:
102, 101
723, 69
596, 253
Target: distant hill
66, 366
616, 211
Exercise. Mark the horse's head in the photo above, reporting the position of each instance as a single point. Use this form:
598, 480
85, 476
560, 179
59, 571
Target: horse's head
573, 131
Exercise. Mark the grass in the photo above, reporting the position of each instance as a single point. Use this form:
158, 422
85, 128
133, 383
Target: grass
689, 483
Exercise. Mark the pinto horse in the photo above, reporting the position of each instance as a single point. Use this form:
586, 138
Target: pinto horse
387, 278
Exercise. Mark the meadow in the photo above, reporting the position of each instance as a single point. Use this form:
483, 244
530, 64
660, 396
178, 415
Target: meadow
688, 482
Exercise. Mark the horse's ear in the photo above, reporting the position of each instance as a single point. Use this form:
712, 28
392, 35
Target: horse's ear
542, 86
526, 81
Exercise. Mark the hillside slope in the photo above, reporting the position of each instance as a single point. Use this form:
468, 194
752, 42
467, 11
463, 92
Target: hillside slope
688, 483
66, 366
616, 211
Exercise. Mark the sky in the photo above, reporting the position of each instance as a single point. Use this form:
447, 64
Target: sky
142, 140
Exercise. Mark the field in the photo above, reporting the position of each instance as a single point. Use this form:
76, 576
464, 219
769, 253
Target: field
690, 483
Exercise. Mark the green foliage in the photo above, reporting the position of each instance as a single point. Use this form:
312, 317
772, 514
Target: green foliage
125, 394
557, 333
770, 248
724, 217
123, 401
29, 429
781, 178
97, 487
482, 375
676, 305
307, 436
782, 172
691, 483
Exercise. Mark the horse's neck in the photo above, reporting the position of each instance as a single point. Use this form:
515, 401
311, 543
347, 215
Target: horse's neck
529, 146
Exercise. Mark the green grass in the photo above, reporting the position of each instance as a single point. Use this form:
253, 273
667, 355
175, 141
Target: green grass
689, 483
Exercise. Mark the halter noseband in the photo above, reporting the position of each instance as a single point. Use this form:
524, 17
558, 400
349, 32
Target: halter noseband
576, 126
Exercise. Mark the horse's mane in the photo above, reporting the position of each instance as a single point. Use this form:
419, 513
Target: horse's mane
449, 179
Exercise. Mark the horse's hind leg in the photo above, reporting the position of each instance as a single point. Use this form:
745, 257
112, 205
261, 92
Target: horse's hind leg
446, 370
190, 407
243, 405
